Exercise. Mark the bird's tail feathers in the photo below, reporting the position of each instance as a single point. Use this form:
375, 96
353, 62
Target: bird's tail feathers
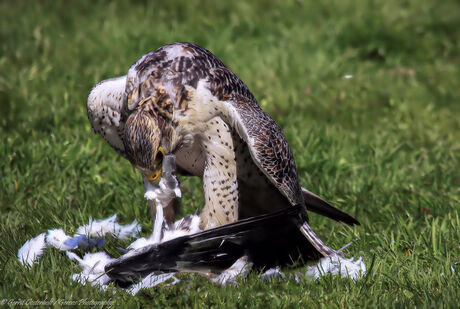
316, 204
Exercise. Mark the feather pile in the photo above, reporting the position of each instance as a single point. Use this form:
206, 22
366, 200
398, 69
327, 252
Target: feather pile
86, 237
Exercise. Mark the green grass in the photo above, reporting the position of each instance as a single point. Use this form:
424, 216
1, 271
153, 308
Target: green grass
383, 145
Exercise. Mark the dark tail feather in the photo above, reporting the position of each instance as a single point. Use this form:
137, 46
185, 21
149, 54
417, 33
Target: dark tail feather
316, 204
268, 240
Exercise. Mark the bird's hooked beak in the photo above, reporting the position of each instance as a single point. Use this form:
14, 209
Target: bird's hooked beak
155, 175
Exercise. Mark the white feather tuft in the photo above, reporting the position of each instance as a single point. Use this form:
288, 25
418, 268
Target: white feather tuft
140, 243
109, 226
150, 281
241, 267
178, 232
272, 273
32, 249
158, 226
161, 193
335, 265
58, 239
168, 234
93, 268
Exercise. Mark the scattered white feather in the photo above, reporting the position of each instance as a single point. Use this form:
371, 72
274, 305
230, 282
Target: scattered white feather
129, 230
98, 228
348, 76
151, 281
241, 267
32, 249
178, 232
58, 239
271, 274
161, 193
178, 192
93, 264
158, 225
93, 268
335, 265
109, 226
168, 234
297, 278
150, 195
141, 242
149, 189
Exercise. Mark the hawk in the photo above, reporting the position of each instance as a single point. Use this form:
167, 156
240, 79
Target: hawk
182, 100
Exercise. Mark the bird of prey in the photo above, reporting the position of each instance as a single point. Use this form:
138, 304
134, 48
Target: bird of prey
182, 100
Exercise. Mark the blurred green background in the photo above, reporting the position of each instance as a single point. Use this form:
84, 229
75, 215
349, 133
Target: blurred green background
366, 92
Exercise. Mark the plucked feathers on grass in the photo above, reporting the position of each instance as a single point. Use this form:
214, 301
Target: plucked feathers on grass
223, 254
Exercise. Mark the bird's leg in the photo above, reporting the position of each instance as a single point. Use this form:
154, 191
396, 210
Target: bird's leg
240, 268
219, 177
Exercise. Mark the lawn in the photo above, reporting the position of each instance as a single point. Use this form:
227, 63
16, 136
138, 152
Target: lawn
366, 92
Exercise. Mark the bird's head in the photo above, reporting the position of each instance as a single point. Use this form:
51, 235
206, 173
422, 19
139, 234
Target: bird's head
142, 142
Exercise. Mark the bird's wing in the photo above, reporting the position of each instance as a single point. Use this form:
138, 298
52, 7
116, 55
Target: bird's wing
267, 145
104, 106
268, 240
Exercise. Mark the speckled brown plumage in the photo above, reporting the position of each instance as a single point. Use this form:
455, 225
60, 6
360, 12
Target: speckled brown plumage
202, 112
179, 68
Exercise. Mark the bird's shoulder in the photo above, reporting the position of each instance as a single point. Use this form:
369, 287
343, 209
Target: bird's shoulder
179, 66
171, 66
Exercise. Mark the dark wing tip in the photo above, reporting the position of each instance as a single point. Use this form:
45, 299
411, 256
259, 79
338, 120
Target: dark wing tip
316, 204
